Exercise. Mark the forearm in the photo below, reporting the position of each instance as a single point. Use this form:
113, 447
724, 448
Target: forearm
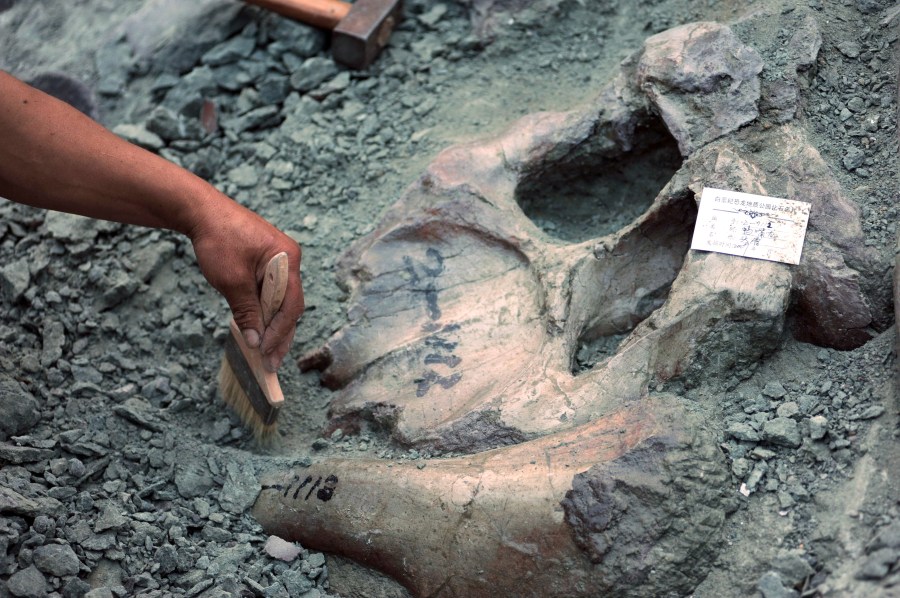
54, 157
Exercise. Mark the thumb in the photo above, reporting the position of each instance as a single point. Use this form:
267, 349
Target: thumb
247, 313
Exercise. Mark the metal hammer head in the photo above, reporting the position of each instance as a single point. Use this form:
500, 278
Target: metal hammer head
359, 36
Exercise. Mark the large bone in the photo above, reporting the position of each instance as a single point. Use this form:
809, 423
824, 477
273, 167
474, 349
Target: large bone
628, 505
465, 318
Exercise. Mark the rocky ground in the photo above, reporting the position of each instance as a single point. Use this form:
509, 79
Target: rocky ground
122, 472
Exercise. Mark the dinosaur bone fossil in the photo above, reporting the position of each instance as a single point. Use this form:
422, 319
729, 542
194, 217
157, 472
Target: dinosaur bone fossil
631, 499
465, 318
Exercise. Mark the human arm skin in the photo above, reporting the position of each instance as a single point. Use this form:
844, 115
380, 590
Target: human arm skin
54, 157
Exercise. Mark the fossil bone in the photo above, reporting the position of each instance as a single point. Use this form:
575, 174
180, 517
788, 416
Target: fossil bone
564, 515
466, 318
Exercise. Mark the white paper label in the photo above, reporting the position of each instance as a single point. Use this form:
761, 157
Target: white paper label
767, 228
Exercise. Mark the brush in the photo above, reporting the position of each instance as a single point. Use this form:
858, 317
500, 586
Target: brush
244, 383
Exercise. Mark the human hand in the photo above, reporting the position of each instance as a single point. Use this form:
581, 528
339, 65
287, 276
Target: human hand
233, 246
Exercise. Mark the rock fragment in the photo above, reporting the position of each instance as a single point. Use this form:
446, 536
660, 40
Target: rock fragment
28, 583
14, 280
58, 560
21, 411
782, 431
240, 489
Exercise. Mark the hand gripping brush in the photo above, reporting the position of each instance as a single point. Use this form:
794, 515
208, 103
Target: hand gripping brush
246, 386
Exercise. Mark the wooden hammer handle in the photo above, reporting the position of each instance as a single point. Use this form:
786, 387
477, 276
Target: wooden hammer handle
325, 14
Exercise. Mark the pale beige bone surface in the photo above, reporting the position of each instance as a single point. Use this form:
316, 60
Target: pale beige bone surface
500, 523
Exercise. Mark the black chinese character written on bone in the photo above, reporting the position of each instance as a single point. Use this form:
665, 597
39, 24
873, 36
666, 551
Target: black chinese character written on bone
426, 282
441, 345
423, 275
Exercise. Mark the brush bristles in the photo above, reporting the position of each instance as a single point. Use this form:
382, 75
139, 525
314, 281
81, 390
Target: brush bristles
235, 397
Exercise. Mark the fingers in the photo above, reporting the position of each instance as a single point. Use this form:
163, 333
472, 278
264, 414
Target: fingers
247, 313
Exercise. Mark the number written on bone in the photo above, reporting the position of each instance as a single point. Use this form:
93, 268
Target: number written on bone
302, 488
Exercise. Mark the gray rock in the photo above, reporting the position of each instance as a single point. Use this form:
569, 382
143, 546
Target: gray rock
273, 89
244, 176
856, 104
337, 84
782, 431
849, 48
139, 135
167, 557
879, 563
99, 542
887, 537
174, 34
240, 489
70, 228
149, 259
58, 560
787, 409
17, 455
770, 586
742, 431
186, 98
216, 534
76, 588
15, 279
187, 333
232, 77
111, 518
166, 124
316, 559
28, 583
818, 427
703, 80
870, 412
231, 557
113, 62
230, 51
792, 567
295, 582
312, 73
118, 286
258, 118
853, 158
303, 40
756, 476
19, 408
54, 338
193, 480
774, 390
103, 592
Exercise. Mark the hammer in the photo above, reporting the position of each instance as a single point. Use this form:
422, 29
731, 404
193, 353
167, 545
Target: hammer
358, 30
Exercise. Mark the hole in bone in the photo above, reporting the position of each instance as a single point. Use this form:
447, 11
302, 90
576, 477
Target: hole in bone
599, 192
592, 351
636, 268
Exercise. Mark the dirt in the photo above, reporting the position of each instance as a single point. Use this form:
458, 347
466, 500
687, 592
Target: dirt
123, 473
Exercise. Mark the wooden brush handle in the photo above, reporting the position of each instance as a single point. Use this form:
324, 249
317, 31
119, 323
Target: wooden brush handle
274, 286
325, 14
